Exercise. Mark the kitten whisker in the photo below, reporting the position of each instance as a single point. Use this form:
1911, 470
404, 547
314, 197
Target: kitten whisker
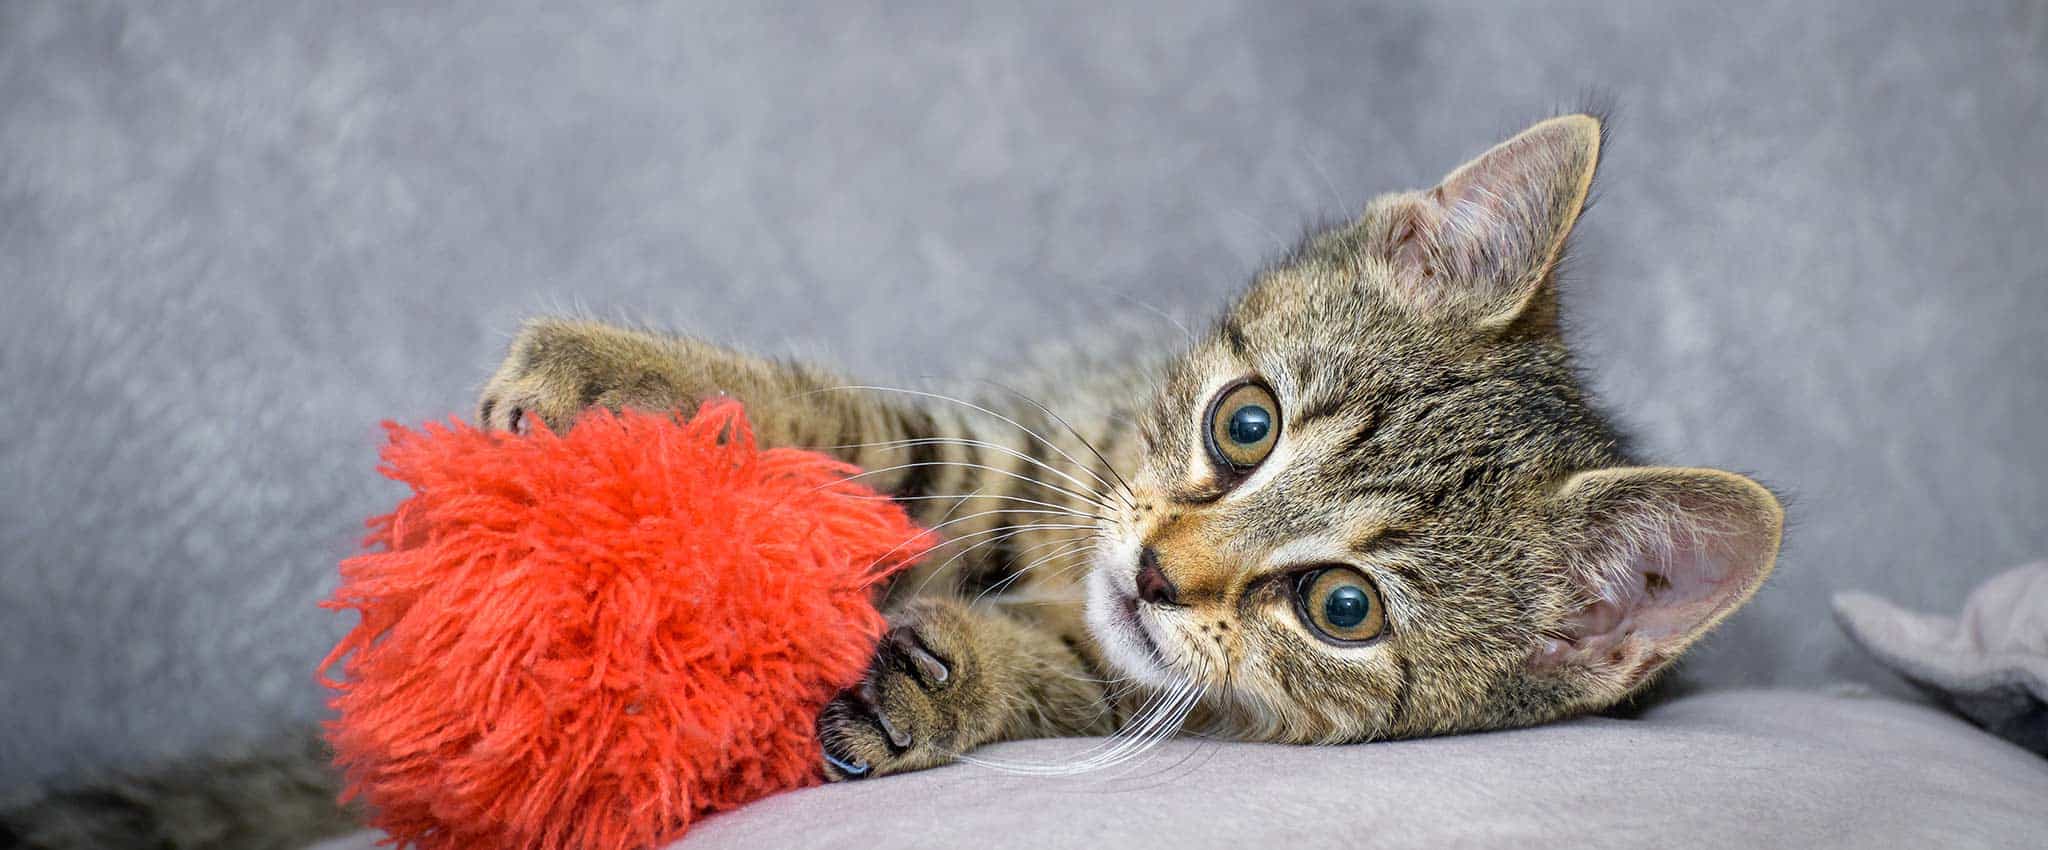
1204, 745
899, 547
965, 441
972, 406
1077, 436
957, 505
1048, 579
1164, 722
1158, 697
984, 467
1148, 306
1176, 727
1012, 530
1073, 547
1162, 718
972, 496
1131, 686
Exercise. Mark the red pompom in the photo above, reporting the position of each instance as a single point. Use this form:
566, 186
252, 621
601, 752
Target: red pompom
589, 641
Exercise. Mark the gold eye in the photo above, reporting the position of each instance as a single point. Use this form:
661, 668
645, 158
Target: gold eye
1244, 423
1340, 604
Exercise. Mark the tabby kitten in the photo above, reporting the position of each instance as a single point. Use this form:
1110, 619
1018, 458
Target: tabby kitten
1373, 502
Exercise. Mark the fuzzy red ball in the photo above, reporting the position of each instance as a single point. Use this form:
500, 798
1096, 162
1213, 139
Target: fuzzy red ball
588, 641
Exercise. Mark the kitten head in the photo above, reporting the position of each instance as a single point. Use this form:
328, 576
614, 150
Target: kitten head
1375, 501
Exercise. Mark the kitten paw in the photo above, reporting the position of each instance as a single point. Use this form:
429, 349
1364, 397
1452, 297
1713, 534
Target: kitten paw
558, 368
919, 704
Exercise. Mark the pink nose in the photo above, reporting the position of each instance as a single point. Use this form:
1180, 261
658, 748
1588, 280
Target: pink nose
1153, 585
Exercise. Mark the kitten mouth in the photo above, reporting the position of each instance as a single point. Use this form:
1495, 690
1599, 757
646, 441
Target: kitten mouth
1118, 625
1138, 631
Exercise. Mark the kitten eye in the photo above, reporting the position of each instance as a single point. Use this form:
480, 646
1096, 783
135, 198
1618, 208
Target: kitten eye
1340, 605
1244, 423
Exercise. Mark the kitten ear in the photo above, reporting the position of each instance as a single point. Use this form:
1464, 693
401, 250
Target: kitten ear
1658, 555
1481, 244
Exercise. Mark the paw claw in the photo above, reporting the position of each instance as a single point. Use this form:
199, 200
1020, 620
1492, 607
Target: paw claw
915, 708
852, 768
871, 701
905, 643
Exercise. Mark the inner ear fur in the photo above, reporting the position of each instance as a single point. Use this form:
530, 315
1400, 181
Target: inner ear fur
1657, 557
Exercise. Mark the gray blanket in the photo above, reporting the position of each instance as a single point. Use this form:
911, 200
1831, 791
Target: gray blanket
1990, 662
1725, 770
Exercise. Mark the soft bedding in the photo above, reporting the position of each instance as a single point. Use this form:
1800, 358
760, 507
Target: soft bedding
1722, 769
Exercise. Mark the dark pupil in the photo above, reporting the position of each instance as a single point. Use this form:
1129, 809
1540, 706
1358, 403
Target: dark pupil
1249, 425
1346, 607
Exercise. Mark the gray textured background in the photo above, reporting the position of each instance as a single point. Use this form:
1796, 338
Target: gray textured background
231, 240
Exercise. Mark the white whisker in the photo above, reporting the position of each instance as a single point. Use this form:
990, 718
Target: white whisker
1001, 533
1185, 332
965, 441
1127, 491
971, 405
950, 539
1162, 718
1073, 547
1004, 472
972, 496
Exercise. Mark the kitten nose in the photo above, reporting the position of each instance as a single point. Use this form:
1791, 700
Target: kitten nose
1153, 585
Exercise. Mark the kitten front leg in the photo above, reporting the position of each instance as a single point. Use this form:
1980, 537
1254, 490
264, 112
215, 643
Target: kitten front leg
949, 677
557, 368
